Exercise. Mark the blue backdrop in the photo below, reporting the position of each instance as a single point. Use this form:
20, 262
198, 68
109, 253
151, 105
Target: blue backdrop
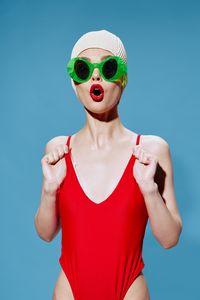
38, 103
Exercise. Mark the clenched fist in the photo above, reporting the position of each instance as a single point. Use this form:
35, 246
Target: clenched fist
54, 167
144, 168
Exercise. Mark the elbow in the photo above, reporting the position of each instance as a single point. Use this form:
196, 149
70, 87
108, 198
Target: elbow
175, 241
170, 245
44, 238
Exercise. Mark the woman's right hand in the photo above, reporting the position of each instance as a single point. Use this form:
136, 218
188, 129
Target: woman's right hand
54, 170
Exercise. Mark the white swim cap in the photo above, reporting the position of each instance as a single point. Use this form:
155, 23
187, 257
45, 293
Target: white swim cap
99, 39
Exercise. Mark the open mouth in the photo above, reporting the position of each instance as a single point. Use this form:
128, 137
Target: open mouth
97, 92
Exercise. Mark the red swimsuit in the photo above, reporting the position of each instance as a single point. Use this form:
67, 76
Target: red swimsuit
101, 242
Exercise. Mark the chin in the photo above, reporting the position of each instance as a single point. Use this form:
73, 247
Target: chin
100, 107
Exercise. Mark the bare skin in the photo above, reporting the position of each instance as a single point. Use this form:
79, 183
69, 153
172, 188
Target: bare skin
101, 143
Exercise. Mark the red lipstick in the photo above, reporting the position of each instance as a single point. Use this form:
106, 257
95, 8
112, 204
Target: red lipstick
97, 92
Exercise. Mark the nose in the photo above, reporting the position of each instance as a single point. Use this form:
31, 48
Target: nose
96, 75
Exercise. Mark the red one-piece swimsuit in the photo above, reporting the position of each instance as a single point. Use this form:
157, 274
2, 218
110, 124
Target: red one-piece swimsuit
102, 242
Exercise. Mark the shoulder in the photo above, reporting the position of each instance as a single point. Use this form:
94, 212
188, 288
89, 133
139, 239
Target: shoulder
54, 142
153, 140
156, 145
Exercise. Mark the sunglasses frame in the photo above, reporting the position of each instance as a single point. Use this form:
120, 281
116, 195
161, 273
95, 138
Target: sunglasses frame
121, 69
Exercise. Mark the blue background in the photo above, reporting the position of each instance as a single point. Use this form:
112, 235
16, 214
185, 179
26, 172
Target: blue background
38, 103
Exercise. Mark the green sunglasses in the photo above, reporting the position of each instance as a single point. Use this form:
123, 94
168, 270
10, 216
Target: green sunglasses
111, 69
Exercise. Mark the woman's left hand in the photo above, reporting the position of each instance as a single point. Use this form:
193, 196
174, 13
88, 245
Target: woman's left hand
144, 168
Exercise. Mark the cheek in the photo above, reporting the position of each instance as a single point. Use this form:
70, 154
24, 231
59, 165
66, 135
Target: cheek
82, 90
113, 91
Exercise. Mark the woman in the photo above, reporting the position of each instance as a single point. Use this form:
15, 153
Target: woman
102, 184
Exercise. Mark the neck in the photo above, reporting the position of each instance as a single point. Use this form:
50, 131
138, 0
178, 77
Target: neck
102, 129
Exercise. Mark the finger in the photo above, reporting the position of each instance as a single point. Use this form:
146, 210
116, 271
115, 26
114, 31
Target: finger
56, 154
60, 152
154, 159
49, 158
133, 149
143, 156
146, 158
151, 159
45, 159
53, 157
136, 151
66, 149
139, 153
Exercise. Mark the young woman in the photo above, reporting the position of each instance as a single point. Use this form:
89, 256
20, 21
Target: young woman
102, 184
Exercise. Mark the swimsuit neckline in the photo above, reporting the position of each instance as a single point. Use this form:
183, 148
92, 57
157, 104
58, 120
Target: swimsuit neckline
110, 196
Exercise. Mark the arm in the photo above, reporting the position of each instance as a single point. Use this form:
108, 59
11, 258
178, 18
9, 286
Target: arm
166, 227
160, 199
46, 220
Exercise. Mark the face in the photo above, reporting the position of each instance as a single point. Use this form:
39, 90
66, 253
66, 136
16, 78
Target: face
112, 90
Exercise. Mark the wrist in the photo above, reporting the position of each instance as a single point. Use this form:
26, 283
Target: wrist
50, 188
149, 187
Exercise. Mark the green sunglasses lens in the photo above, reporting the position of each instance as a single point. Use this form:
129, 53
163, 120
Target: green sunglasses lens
109, 68
82, 69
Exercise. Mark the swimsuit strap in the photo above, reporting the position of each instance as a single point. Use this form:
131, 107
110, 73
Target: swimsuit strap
138, 139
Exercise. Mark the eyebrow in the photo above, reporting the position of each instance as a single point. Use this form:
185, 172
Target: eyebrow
103, 57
